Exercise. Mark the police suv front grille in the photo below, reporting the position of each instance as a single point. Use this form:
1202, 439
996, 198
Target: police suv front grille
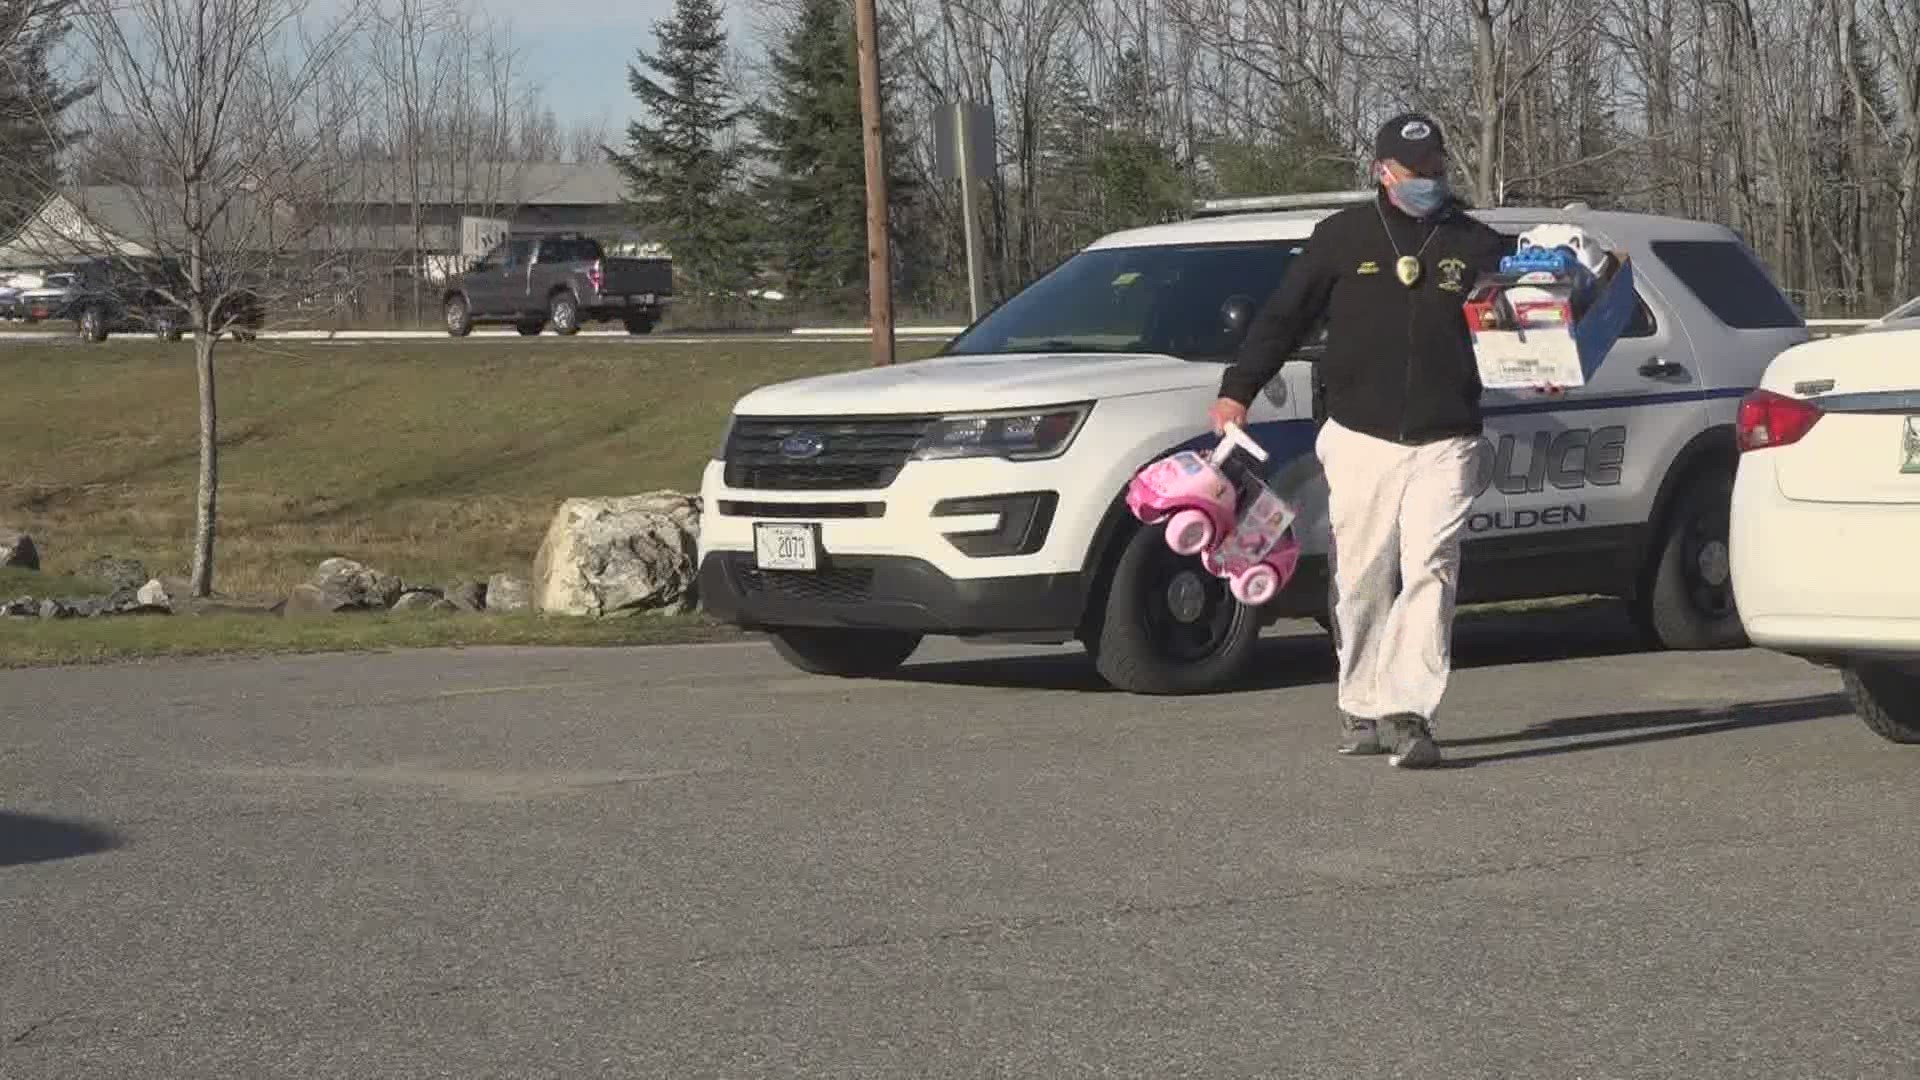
833, 585
845, 455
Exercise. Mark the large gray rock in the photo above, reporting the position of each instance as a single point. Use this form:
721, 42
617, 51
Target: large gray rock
21, 607
617, 556
115, 572
16, 549
363, 586
316, 600
422, 600
58, 609
506, 593
468, 596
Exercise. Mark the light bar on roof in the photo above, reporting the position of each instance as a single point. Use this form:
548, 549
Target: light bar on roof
1253, 204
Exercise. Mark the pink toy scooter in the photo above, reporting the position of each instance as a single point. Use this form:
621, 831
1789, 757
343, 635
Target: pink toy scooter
1201, 499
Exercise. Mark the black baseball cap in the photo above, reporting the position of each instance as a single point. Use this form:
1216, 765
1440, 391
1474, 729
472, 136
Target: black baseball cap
1413, 139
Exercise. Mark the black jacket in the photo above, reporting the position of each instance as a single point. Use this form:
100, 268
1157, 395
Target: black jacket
1399, 361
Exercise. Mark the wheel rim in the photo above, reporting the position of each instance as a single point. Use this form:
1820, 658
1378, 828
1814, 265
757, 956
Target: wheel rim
1707, 567
455, 315
563, 315
1188, 614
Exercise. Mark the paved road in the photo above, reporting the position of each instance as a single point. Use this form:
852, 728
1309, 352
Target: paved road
691, 862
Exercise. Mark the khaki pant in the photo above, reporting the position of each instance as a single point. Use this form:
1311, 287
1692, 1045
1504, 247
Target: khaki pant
1397, 514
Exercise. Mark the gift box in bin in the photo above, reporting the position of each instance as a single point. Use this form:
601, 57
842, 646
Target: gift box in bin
1551, 312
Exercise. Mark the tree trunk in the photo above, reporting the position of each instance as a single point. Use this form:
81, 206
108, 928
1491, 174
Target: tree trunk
203, 526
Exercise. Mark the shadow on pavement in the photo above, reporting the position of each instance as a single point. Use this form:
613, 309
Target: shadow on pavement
1657, 725
1305, 658
30, 838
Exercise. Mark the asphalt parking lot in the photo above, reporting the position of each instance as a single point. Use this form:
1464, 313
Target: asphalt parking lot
693, 862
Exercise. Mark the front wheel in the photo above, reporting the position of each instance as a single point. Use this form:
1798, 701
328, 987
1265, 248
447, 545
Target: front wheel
459, 316
1169, 626
820, 650
1687, 602
1887, 699
93, 325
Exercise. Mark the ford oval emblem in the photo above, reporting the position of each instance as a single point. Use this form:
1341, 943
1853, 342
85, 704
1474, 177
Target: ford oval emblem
803, 444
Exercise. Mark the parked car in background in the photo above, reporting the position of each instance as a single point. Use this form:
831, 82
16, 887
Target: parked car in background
114, 295
48, 300
533, 281
1907, 314
1826, 517
980, 492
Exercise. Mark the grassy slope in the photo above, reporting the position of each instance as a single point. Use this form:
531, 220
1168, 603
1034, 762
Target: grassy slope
427, 460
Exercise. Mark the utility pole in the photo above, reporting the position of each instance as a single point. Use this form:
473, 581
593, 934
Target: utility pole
879, 247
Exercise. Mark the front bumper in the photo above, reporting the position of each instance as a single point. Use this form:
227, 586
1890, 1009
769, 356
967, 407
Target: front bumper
887, 592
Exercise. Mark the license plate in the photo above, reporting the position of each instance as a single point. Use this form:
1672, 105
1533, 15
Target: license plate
786, 547
1910, 446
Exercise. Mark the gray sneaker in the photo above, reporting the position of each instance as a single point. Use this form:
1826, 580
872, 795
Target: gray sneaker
1359, 737
1412, 744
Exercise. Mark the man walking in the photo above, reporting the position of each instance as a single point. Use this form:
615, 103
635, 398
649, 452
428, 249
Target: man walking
1401, 444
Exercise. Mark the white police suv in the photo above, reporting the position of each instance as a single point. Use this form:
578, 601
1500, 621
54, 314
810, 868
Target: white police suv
977, 493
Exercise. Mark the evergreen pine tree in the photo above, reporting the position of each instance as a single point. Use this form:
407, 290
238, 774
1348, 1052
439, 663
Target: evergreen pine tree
811, 135
682, 168
33, 104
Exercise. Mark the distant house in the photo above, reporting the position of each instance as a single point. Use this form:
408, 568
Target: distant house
367, 212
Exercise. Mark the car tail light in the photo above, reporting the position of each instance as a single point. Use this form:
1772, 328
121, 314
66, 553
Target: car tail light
1768, 419
596, 277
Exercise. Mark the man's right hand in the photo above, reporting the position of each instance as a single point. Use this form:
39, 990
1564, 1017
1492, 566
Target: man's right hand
1227, 411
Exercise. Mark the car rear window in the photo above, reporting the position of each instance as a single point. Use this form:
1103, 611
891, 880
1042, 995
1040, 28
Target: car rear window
569, 250
1730, 282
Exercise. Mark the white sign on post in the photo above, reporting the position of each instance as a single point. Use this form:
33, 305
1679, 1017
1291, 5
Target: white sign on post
478, 234
964, 151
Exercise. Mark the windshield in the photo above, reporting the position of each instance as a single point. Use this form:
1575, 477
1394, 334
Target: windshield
1193, 301
1907, 312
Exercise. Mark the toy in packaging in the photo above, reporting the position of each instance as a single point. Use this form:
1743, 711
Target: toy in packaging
1552, 311
1216, 506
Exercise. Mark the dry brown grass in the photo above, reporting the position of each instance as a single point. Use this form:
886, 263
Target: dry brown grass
430, 460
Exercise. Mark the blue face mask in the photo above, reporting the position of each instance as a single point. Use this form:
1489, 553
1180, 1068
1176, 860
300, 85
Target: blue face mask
1419, 195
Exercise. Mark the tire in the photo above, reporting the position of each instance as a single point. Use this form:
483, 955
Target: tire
642, 325
564, 312
459, 317
1686, 602
845, 653
93, 325
1888, 700
529, 328
1169, 627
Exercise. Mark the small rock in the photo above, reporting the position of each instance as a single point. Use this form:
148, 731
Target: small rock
21, 607
121, 601
16, 549
315, 600
57, 609
508, 593
468, 596
422, 600
159, 594
364, 587
115, 573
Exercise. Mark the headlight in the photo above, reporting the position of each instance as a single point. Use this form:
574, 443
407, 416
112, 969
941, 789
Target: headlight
1018, 436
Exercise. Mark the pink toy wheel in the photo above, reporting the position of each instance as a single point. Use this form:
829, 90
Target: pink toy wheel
1189, 532
1256, 586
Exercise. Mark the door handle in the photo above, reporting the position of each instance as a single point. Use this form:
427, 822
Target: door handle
1658, 368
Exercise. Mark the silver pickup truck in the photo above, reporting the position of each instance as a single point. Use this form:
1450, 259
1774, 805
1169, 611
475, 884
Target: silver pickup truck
564, 280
